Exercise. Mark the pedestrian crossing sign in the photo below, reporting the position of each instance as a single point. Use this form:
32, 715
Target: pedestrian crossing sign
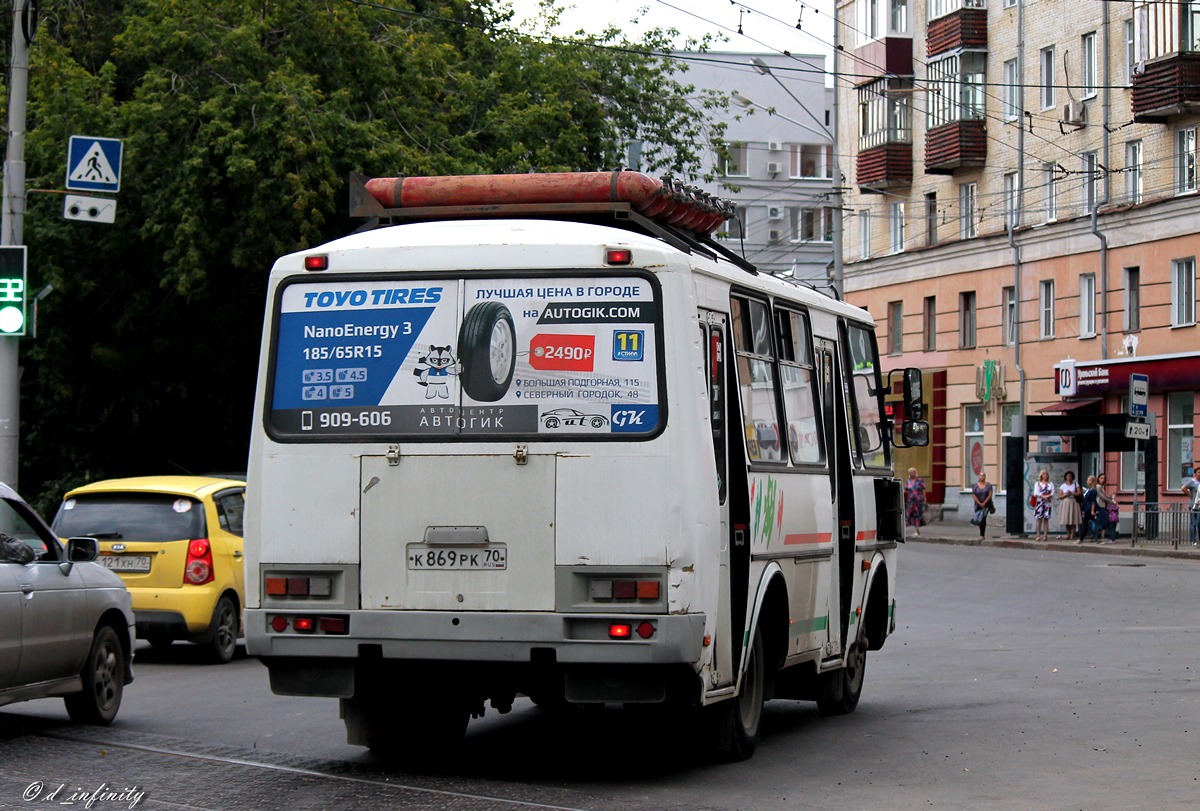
94, 164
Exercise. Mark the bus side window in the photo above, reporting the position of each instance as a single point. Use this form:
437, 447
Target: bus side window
756, 379
867, 386
797, 373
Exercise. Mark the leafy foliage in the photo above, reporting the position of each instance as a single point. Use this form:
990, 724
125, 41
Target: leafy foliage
241, 119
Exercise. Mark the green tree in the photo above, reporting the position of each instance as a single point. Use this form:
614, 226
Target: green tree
241, 120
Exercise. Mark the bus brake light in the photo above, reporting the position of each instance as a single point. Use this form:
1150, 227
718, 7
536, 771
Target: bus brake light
620, 630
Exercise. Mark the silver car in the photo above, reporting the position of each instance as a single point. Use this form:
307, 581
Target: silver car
66, 625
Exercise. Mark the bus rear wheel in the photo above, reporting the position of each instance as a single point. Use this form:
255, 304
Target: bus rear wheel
738, 722
841, 689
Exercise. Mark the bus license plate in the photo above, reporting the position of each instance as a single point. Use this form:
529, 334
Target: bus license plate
125, 563
466, 558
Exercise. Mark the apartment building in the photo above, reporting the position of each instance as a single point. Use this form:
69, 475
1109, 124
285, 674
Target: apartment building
1021, 218
778, 165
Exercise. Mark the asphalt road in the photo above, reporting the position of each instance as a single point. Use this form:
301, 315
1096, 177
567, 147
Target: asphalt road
1017, 679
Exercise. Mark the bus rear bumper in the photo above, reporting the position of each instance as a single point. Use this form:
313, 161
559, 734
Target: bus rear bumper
440, 636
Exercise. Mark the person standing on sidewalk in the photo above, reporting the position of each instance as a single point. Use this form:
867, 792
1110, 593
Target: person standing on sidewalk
1088, 509
1069, 514
1043, 492
1191, 489
982, 492
914, 501
1106, 510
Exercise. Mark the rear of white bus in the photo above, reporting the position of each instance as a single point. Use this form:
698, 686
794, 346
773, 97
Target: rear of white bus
463, 483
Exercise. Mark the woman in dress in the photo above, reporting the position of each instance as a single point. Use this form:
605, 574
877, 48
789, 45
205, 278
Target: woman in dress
982, 494
914, 500
1069, 495
1043, 493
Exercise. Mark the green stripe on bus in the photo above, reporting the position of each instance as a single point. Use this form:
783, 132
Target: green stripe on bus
808, 626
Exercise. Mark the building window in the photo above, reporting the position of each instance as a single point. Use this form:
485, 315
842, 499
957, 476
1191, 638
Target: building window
896, 227
812, 224
956, 88
940, 8
810, 160
1191, 26
1051, 172
966, 207
1087, 66
972, 444
884, 113
1183, 292
1047, 62
1012, 91
1008, 298
1046, 308
1185, 160
896, 327
1087, 305
736, 163
1133, 299
1133, 172
864, 233
931, 223
929, 324
899, 17
1012, 210
1091, 180
966, 320
1179, 438
1130, 53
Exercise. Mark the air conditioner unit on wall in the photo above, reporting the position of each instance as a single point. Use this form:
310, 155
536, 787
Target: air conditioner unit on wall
774, 146
774, 212
774, 168
1074, 112
774, 235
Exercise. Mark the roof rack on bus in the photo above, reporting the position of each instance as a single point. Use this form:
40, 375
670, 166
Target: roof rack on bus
682, 215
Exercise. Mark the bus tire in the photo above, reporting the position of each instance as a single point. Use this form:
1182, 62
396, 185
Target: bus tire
739, 720
487, 349
842, 688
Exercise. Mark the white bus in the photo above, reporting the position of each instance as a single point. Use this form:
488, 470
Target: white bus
541, 435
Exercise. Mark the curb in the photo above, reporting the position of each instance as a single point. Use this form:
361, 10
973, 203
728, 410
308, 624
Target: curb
1120, 548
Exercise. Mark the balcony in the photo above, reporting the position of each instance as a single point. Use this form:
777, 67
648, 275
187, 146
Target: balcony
955, 146
1166, 88
964, 28
889, 166
882, 57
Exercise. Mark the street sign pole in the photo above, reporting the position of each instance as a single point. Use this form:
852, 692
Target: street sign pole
12, 226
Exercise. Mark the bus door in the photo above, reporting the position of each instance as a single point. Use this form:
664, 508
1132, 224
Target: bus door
834, 403
713, 339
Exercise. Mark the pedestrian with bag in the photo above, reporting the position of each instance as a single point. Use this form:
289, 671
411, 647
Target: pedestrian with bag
914, 501
1069, 499
982, 494
1043, 492
1191, 489
1107, 511
1088, 509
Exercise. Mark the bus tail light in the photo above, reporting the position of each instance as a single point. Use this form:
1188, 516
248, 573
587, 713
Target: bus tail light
199, 567
609, 589
284, 586
620, 630
334, 625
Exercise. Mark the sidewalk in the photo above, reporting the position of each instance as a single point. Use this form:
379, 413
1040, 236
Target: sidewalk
964, 534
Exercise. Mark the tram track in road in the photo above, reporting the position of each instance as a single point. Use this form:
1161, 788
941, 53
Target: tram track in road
176, 773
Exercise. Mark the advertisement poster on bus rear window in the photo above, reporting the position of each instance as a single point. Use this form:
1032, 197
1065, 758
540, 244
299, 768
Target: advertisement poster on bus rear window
568, 356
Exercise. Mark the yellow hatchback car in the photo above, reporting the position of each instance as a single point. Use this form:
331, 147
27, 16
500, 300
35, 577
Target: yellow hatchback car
176, 541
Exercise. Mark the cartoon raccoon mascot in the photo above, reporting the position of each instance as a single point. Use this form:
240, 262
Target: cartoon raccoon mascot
434, 370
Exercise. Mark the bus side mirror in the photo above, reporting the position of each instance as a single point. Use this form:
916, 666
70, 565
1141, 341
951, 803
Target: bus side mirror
914, 407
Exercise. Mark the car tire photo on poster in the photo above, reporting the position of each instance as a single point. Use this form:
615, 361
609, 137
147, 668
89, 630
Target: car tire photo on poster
487, 349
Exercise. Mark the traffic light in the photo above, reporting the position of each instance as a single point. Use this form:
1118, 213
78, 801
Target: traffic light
12, 290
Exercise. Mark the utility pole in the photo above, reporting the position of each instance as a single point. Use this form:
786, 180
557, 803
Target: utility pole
12, 231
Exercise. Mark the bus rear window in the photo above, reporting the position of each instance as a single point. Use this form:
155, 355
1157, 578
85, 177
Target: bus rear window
440, 359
